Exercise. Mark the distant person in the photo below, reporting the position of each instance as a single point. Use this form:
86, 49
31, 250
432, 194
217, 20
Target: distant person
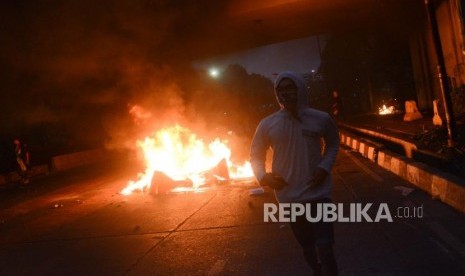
300, 171
336, 105
22, 159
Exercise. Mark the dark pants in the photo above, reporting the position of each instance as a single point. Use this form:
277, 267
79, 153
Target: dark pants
316, 240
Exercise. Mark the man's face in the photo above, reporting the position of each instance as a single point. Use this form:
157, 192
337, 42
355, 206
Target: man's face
287, 94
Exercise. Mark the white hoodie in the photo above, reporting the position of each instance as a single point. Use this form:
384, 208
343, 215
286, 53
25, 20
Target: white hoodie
297, 147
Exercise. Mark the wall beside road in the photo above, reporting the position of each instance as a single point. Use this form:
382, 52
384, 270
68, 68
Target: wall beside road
72, 160
60, 163
442, 186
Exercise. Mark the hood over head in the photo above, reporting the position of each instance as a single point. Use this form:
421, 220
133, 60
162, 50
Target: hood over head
302, 97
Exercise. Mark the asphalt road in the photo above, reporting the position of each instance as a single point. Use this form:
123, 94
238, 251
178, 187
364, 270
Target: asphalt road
77, 223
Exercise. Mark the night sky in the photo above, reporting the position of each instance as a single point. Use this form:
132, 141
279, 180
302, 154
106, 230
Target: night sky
299, 55
84, 63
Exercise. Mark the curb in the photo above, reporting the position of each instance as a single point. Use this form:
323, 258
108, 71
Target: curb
366, 148
448, 188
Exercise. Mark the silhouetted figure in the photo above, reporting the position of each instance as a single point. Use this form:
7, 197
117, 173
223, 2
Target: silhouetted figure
22, 159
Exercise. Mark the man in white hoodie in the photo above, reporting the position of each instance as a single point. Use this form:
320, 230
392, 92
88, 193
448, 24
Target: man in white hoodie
301, 172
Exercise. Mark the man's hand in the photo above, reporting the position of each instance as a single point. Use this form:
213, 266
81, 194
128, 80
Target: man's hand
274, 181
319, 176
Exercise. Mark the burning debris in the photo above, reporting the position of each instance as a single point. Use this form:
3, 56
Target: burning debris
391, 106
162, 184
176, 160
386, 110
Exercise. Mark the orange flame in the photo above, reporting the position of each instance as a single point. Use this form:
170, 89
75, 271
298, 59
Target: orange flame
139, 114
386, 110
179, 154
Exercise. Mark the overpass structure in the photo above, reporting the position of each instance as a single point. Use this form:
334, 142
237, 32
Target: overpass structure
206, 29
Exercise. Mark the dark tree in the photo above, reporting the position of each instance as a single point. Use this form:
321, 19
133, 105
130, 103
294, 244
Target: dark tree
368, 68
252, 96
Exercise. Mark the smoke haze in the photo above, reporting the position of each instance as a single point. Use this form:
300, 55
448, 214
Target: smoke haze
83, 64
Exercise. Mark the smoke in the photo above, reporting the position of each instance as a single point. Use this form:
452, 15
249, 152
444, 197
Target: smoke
81, 65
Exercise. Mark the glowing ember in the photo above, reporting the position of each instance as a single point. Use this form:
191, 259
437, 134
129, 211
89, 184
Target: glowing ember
386, 110
180, 155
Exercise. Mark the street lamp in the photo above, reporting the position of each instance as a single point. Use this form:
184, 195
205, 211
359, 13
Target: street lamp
214, 72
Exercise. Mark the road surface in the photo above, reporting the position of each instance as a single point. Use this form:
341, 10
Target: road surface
77, 223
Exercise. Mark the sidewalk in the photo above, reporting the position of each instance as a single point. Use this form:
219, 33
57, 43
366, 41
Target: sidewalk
390, 142
419, 140
392, 124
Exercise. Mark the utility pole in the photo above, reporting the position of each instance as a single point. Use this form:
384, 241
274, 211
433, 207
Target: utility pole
442, 74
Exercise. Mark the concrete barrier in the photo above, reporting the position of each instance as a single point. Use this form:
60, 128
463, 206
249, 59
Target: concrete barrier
39, 170
59, 163
77, 159
366, 148
443, 186
10, 177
